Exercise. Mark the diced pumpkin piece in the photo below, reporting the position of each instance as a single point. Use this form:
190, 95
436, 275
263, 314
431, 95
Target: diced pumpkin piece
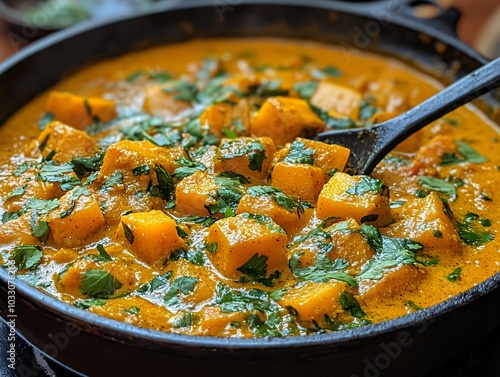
244, 236
195, 193
66, 141
79, 112
349, 245
65, 255
71, 279
362, 198
249, 157
223, 119
17, 232
425, 221
265, 205
127, 155
163, 104
340, 99
393, 282
152, 235
213, 321
299, 180
284, 119
76, 218
329, 157
313, 301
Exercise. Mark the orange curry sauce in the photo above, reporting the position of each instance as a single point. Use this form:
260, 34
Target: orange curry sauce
164, 192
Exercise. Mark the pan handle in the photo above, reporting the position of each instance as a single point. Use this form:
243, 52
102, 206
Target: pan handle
445, 21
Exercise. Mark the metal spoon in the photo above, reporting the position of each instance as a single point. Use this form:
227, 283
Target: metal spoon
370, 145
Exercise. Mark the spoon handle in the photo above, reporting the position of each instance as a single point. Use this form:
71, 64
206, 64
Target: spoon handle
470, 87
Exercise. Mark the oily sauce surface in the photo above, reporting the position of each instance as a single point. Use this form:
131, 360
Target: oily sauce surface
175, 189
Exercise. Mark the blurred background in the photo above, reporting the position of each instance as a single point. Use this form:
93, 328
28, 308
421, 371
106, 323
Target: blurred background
23, 21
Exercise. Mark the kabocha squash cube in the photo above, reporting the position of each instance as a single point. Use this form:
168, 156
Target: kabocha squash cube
362, 198
163, 104
244, 236
66, 141
313, 301
223, 118
213, 321
349, 244
340, 101
127, 155
17, 232
151, 236
393, 282
299, 180
79, 112
77, 218
284, 119
329, 157
425, 221
195, 193
249, 157
72, 278
267, 205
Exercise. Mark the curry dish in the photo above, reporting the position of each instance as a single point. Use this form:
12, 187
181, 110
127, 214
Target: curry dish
179, 189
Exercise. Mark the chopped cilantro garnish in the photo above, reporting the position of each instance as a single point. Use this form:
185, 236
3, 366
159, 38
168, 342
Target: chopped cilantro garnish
42, 231
351, 305
256, 269
367, 184
306, 89
454, 275
187, 168
264, 220
329, 71
98, 284
438, 185
470, 234
129, 234
45, 120
390, 253
322, 271
103, 254
115, 179
18, 191
466, 154
283, 200
87, 304
254, 150
299, 154
27, 257
41, 206
155, 284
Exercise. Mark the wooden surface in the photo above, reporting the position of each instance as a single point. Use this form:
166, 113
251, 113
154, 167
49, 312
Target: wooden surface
474, 16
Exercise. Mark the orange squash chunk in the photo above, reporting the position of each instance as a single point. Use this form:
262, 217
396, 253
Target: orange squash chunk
249, 157
313, 301
66, 142
284, 119
196, 192
299, 180
79, 112
73, 221
356, 197
153, 235
240, 238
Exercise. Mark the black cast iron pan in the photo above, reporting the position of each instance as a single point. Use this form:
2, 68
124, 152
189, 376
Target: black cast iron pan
96, 346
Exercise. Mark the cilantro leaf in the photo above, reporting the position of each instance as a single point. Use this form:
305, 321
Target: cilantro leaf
156, 283
253, 150
182, 284
42, 231
470, 234
98, 284
41, 206
165, 188
18, 191
367, 184
467, 154
256, 269
299, 154
322, 271
45, 120
391, 252
283, 200
103, 254
454, 275
115, 179
438, 185
264, 220
144, 169
306, 89
86, 165
329, 71
87, 304
187, 168
27, 257
351, 305
129, 234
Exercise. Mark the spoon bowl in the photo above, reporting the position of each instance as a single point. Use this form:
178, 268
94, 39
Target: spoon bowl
371, 144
